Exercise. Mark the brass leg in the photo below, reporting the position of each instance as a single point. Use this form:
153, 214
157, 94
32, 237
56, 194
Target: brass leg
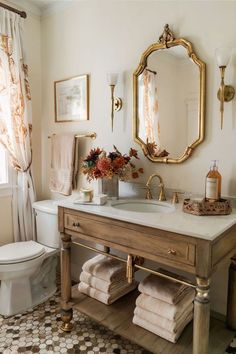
201, 323
66, 307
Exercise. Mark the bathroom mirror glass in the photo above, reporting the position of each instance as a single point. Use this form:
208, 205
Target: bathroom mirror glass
169, 100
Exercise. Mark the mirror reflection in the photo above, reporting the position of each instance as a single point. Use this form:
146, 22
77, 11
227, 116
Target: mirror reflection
169, 97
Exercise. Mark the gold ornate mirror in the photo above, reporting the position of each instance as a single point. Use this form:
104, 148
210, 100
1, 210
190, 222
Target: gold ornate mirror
169, 100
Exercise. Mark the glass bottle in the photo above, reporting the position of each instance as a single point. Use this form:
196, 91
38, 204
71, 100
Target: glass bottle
213, 183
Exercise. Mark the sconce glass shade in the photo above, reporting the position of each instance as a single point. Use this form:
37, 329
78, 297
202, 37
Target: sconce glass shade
223, 55
112, 78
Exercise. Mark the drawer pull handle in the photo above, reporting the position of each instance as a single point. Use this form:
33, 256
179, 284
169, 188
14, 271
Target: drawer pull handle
171, 251
76, 224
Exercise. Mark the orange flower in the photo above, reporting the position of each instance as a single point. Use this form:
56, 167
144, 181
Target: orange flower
119, 162
104, 164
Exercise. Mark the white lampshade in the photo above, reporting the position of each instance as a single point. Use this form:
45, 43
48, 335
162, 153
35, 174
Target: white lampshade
223, 55
112, 78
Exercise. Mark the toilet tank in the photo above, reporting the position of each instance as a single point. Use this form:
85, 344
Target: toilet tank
46, 223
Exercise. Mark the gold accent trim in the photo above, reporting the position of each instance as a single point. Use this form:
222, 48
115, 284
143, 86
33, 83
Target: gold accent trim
161, 196
202, 97
93, 136
138, 266
167, 36
116, 105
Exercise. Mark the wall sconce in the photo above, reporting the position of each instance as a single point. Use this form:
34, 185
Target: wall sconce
116, 102
225, 92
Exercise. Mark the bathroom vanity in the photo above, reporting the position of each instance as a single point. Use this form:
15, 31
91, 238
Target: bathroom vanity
197, 245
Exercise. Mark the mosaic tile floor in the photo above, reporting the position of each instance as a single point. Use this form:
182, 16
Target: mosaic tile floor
37, 331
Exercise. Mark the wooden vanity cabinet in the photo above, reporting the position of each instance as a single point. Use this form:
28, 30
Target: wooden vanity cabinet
191, 254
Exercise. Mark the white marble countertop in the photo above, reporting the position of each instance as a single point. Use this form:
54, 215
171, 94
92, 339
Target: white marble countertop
204, 227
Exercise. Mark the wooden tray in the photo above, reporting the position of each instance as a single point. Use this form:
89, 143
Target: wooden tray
222, 207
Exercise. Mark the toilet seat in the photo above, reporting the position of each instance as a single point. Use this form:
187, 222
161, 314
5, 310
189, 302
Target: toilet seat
20, 252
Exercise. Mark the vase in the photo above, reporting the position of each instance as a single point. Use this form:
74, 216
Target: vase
109, 186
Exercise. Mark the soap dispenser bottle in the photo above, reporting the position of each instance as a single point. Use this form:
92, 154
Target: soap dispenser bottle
213, 183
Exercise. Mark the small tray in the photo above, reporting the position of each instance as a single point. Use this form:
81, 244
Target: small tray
221, 207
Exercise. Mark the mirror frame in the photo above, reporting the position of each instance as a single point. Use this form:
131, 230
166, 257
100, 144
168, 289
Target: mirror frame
167, 40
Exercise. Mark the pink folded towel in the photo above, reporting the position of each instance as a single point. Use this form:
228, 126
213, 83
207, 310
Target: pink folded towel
162, 308
156, 320
164, 289
105, 268
170, 336
105, 297
103, 285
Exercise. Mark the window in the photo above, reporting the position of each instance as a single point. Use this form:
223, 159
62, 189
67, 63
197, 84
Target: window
3, 166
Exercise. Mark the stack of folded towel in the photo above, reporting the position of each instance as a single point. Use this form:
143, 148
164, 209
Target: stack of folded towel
164, 307
104, 279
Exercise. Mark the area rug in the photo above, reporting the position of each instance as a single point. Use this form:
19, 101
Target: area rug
37, 331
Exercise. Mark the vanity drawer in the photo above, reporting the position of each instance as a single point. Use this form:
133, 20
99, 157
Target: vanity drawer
131, 238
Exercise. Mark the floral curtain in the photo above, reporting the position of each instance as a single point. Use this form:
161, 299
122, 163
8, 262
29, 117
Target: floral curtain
148, 109
15, 120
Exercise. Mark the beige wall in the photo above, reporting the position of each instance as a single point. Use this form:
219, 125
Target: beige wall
96, 37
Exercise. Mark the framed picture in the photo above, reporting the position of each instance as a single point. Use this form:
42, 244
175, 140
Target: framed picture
72, 99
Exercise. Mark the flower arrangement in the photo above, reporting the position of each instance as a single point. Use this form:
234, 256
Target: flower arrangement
99, 164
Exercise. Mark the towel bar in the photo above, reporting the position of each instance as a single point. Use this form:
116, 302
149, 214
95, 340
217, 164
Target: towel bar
89, 135
137, 265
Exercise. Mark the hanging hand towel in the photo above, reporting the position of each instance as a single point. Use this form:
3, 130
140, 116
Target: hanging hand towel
63, 158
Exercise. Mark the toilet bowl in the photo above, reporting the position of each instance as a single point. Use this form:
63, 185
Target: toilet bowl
28, 269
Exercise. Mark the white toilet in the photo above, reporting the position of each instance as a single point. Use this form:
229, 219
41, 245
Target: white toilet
28, 269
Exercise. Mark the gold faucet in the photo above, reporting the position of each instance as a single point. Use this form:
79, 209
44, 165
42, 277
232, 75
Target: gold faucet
161, 185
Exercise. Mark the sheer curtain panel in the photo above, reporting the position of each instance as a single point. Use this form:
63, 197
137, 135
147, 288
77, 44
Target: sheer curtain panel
15, 120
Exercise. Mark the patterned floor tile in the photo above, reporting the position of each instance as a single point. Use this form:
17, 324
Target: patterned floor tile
36, 331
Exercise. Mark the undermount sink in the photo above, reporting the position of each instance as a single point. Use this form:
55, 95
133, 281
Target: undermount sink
144, 206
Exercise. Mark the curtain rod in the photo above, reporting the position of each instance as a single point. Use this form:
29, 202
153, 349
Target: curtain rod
21, 13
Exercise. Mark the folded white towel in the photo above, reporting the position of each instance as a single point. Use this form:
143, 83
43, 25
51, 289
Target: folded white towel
104, 297
106, 268
103, 285
156, 320
162, 308
164, 289
172, 337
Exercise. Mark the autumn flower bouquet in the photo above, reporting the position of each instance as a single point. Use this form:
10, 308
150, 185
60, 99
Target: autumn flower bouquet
100, 164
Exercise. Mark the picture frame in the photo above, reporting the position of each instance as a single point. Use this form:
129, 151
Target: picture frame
71, 98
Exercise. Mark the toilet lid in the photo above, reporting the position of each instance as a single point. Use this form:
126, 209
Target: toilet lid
20, 251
